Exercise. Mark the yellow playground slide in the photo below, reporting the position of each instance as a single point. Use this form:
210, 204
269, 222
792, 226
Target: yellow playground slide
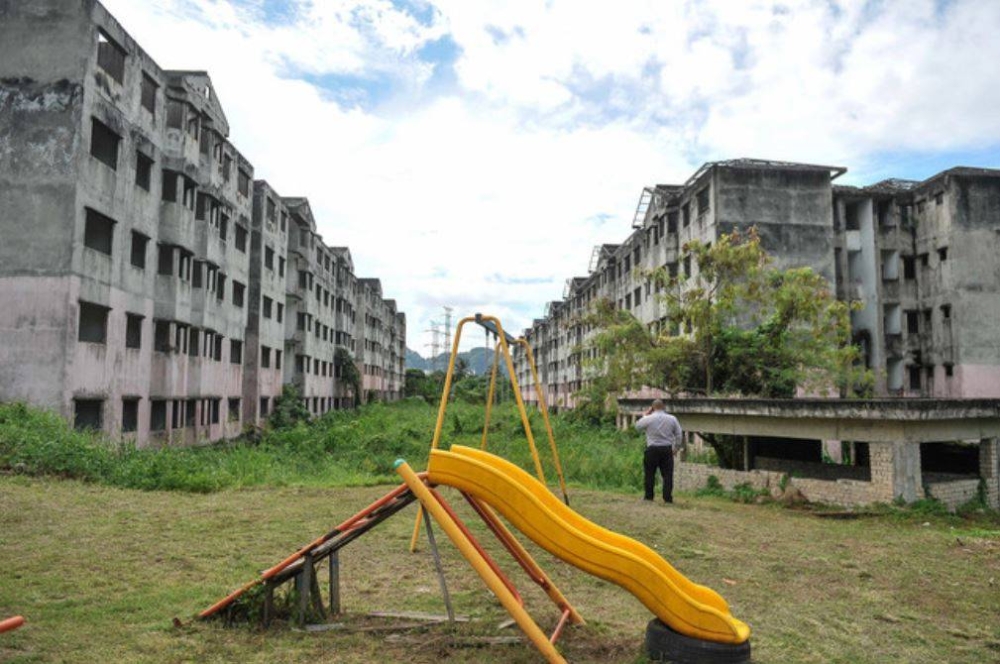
686, 607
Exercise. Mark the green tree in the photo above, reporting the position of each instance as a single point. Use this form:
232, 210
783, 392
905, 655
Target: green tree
348, 372
736, 325
289, 409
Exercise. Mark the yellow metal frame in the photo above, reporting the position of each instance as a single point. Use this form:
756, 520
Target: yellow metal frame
542, 406
504, 348
508, 598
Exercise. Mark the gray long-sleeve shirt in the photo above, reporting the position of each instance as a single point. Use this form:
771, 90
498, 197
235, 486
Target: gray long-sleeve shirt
662, 429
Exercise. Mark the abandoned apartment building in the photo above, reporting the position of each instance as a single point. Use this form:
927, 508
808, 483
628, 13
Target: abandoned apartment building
921, 259
149, 286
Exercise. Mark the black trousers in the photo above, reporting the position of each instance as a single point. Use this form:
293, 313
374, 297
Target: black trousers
662, 457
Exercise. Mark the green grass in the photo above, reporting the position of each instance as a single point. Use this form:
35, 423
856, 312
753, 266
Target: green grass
342, 449
99, 563
99, 572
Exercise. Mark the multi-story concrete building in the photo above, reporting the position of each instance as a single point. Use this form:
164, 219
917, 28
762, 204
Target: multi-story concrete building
920, 258
149, 287
381, 331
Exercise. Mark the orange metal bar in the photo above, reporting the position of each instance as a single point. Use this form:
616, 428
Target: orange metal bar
559, 627
521, 555
479, 548
11, 624
347, 525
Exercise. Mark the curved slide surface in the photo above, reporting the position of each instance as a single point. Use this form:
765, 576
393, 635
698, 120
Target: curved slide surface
687, 607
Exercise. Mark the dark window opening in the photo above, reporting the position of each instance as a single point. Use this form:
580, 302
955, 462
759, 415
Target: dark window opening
110, 56
169, 191
238, 293
946, 311
143, 171
702, 198
98, 232
686, 215
214, 406
218, 347
234, 410
158, 415
281, 312
104, 143
138, 251
912, 322
265, 357
909, 268
196, 274
277, 359
241, 238
939, 198
165, 260
924, 259
942, 254
193, 338
190, 189
149, 88
133, 330
268, 303
269, 258
914, 371
130, 414
243, 183
264, 401
235, 351
161, 336
88, 414
93, 323
176, 414
949, 370
189, 412
175, 114
281, 266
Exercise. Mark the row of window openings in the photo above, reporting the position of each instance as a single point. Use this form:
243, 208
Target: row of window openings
308, 365
915, 319
304, 323
307, 281
104, 146
186, 339
89, 413
915, 372
889, 270
99, 231
111, 58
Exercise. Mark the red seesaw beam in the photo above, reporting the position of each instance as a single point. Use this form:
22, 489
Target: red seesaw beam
11, 624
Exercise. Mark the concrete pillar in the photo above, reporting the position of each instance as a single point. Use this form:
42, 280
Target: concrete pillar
989, 470
895, 471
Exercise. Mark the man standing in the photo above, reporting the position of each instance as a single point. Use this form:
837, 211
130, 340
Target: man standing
663, 439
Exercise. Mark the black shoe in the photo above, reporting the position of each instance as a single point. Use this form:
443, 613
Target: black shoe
668, 500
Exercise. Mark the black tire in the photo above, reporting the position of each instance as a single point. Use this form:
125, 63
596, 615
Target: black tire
665, 645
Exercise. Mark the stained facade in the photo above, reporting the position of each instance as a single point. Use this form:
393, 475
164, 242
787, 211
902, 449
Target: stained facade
150, 287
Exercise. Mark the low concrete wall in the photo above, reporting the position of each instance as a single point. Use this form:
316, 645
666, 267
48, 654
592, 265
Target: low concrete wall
845, 492
953, 491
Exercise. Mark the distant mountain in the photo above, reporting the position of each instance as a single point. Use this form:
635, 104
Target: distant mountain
479, 361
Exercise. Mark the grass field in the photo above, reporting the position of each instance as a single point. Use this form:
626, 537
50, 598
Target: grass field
99, 572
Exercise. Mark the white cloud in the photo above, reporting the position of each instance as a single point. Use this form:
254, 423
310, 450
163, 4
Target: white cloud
559, 113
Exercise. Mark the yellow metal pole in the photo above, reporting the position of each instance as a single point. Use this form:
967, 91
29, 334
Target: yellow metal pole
468, 551
545, 417
489, 399
517, 398
440, 417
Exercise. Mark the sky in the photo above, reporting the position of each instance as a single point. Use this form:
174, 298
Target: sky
471, 153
